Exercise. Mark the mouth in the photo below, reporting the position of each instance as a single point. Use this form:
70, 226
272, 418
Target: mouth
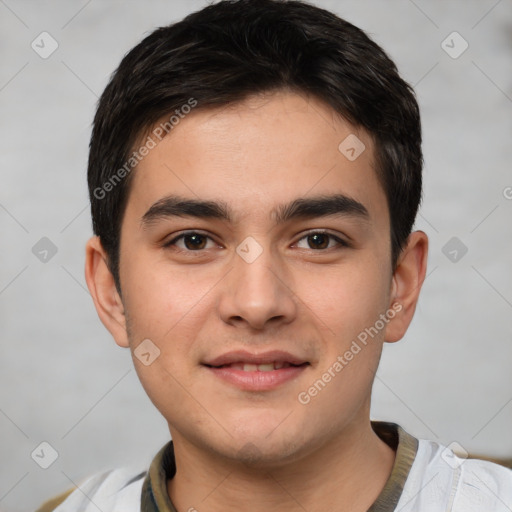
264, 367
257, 372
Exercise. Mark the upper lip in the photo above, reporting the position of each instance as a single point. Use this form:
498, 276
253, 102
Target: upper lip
243, 356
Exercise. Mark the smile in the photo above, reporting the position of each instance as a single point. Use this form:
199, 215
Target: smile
249, 367
257, 377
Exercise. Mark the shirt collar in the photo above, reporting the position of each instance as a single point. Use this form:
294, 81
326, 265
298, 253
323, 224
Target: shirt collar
163, 467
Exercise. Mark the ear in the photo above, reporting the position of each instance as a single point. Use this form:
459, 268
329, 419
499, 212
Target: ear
406, 284
101, 284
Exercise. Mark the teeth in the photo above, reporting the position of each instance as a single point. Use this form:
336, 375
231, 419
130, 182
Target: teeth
267, 367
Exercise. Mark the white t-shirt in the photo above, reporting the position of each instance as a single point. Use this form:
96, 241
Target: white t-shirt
426, 477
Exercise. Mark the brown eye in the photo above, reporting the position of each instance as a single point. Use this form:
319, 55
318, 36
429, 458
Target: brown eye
192, 241
319, 240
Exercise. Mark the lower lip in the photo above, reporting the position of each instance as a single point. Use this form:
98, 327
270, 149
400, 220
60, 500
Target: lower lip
257, 381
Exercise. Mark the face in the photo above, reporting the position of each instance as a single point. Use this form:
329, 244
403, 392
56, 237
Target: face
251, 304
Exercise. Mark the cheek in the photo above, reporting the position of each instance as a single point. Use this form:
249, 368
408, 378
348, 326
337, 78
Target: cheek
162, 299
346, 299
347, 305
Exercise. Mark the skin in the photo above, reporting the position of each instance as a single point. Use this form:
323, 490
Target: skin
232, 444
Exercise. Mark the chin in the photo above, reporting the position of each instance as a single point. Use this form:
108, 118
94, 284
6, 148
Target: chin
264, 453
261, 424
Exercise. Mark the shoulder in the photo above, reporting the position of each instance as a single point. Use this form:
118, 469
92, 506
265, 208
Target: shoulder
110, 491
483, 486
441, 480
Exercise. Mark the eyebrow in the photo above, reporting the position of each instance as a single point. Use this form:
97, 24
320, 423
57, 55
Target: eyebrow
300, 208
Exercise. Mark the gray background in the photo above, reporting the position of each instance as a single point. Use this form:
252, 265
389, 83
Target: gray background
65, 381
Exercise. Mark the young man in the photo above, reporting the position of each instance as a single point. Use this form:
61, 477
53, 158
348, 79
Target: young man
254, 175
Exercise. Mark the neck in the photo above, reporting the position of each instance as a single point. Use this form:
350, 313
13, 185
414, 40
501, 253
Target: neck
350, 470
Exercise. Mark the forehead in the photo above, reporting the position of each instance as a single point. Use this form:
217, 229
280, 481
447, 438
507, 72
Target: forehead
268, 150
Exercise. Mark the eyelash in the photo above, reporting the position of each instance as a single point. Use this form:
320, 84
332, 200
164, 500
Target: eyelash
341, 243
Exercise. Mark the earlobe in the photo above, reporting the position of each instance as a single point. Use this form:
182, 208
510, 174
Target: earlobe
101, 284
406, 284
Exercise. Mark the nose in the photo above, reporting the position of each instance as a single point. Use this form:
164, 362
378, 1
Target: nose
257, 292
